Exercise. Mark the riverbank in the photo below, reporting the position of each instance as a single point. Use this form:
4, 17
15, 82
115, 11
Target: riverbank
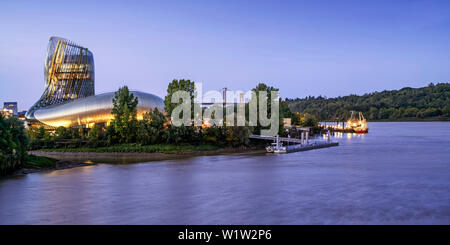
136, 148
60, 165
91, 155
35, 164
58, 159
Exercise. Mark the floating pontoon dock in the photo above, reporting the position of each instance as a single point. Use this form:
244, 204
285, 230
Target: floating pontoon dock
297, 144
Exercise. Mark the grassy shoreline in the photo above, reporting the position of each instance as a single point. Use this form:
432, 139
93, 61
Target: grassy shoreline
136, 157
36, 163
39, 162
158, 148
65, 158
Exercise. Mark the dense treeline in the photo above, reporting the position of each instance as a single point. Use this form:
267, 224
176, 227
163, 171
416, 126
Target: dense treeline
13, 144
427, 103
155, 128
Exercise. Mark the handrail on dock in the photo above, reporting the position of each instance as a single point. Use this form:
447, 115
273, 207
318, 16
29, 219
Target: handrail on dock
284, 139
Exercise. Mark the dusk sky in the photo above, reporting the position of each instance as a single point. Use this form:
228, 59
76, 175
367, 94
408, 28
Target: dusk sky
328, 48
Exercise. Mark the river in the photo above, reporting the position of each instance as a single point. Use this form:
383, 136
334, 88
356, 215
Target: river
398, 173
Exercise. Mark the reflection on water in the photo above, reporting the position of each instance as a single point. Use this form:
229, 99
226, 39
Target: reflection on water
399, 173
340, 135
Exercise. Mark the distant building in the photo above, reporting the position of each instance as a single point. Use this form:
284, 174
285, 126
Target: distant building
11, 106
21, 115
6, 112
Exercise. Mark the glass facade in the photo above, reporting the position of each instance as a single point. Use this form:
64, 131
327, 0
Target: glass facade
68, 72
69, 98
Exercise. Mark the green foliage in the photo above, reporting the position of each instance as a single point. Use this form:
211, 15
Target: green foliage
211, 135
284, 110
63, 133
38, 144
237, 135
13, 144
310, 121
182, 134
263, 87
432, 102
304, 119
151, 130
76, 133
38, 133
110, 134
42, 133
159, 148
151, 127
38, 162
125, 115
95, 133
296, 118
174, 86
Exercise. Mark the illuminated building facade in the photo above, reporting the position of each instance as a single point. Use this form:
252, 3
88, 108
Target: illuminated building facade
68, 73
11, 106
69, 97
6, 113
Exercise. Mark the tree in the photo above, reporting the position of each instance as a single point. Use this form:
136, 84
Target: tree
95, 133
285, 112
174, 86
296, 118
425, 102
151, 127
37, 133
181, 134
13, 144
210, 135
237, 135
62, 133
42, 133
76, 133
310, 121
125, 115
268, 89
373, 113
261, 87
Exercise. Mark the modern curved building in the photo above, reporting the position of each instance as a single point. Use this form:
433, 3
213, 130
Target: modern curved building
69, 97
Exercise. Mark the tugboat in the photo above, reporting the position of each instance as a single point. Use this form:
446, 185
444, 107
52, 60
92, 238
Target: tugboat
357, 123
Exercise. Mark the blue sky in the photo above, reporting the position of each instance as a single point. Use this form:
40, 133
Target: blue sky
328, 48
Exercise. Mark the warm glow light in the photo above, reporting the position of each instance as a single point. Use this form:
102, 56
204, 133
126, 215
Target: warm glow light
206, 124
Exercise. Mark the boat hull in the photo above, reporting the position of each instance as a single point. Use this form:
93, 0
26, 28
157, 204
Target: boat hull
361, 131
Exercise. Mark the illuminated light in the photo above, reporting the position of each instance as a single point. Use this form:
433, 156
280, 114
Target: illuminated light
69, 99
206, 124
69, 74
